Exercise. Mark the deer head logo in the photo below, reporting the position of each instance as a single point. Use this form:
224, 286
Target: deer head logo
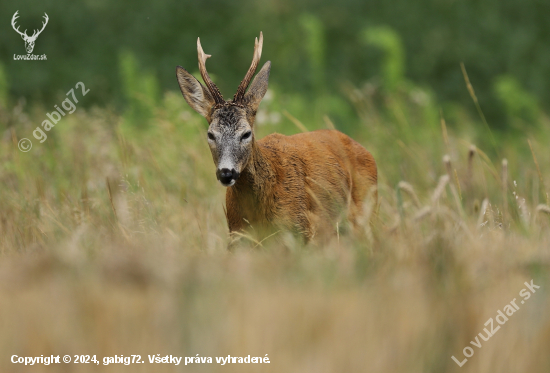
29, 40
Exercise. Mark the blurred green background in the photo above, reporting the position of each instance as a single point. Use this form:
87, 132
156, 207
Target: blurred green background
127, 50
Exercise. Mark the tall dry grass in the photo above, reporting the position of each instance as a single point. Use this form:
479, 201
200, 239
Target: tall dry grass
113, 242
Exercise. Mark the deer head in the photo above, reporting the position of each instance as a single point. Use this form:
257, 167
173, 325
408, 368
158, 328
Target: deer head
29, 40
231, 123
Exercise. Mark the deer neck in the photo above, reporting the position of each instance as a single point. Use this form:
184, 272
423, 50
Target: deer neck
258, 177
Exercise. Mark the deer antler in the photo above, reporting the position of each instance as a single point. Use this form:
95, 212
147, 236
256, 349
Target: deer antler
209, 83
43, 26
255, 60
15, 16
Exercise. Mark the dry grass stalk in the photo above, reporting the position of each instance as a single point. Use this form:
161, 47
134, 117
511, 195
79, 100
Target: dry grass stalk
538, 171
369, 214
447, 163
452, 176
444, 131
443, 181
111, 197
505, 188
328, 123
408, 188
296, 122
470, 170
422, 213
457, 181
482, 211
524, 212
476, 103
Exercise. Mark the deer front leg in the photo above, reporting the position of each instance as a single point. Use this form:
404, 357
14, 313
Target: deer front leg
305, 224
235, 221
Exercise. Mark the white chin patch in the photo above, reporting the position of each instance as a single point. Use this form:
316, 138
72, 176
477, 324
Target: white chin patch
228, 185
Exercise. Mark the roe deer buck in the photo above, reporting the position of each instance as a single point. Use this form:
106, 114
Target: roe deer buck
300, 183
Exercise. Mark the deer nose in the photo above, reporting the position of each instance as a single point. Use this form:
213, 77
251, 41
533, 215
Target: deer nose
227, 176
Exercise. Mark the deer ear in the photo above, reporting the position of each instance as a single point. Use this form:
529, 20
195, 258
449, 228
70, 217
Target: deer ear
258, 87
196, 95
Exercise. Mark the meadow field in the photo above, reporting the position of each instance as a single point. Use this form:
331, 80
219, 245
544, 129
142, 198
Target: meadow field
113, 237
113, 242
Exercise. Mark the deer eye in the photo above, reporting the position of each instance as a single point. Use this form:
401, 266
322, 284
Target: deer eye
211, 136
246, 135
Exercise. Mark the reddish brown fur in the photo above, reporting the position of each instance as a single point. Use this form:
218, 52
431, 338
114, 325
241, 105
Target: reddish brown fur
302, 183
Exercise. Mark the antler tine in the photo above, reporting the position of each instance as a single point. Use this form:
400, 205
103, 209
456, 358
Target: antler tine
250, 73
36, 32
202, 67
13, 19
46, 19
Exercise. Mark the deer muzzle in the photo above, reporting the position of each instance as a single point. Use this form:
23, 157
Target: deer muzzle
227, 177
